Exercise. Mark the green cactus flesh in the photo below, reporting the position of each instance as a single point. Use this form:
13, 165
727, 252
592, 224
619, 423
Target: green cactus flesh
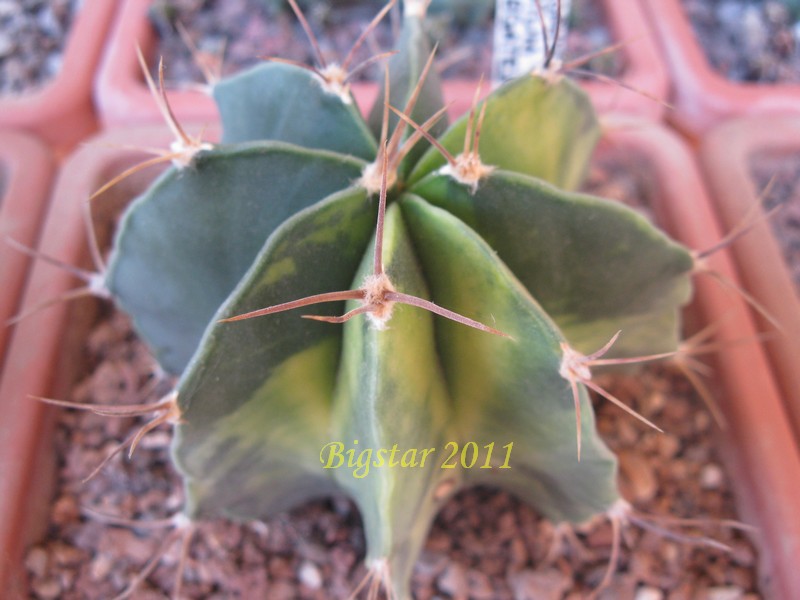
185, 244
553, 142
258, 222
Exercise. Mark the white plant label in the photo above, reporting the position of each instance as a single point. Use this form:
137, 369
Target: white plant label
519, 45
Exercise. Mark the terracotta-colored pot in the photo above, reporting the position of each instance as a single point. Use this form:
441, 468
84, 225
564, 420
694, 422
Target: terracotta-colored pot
62, 111
758, 446
38, 361
26, 174
726, 155
702, 97
645, 74
123, 97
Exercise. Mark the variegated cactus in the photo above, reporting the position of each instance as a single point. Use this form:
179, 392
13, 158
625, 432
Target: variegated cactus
473, 312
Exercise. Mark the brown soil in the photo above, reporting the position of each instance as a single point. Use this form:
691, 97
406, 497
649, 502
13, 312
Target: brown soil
784, 172
484, 544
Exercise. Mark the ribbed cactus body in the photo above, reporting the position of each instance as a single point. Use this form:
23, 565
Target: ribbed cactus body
277, 213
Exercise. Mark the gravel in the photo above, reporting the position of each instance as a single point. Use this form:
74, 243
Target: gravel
749, 40
483, 544
785, 169
32, 38
245, 30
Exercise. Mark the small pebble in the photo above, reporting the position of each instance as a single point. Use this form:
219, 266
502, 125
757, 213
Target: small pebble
639, 476
47, 589
9, 8
776, 12
711, 477
309, 575
743, 554
729, 13
431, 563
36, 561
668, 445
649, 593
479, 585
453, 581
550, 584
723, 593
518, 552
65, 510
67, 556
7, 44
702, 421
754, 31
100, 567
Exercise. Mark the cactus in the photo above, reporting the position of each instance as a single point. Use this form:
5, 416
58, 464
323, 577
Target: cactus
473, 312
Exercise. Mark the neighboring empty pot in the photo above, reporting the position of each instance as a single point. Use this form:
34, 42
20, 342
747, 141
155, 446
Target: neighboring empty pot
123, 97
62, 111
702, 98
726, 155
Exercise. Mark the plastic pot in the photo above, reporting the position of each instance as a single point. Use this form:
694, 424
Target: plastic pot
758, 447
702, 97
44, 355
62, 112
123, 97
26, 174
758, 444
726, 155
